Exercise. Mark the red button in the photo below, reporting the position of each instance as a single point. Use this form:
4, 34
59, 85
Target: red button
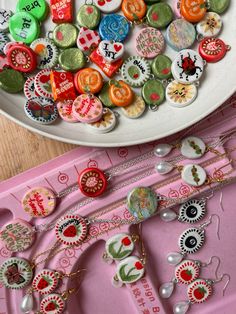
213, 49
92, 182
22, 58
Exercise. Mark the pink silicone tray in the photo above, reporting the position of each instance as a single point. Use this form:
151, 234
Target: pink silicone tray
96, 295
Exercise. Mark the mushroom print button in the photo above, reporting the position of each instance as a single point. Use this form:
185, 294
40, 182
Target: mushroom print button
161, 67
187, 67
153, 93
199, 291
24, 27
149, 42
92, 182
213, 49
4, 39
108, 6
65, 110
106, 124
72, 59
17, 235
134, 10
218, 6
29, 88
187, 271
71, 230
4, 20
135, 109
88, 80
111, 52
22, 58
142, 203
119, 246
191, 240
180, 34
15, 273
87, 108
180, 95
129, 270
192, 211
11, 81
52, 304
47, 53
43, 83
46, 281
159, 15
89, 16
210, 26
87, 39
114, 27
193, 10
37, 8
65, 35
194, 175
136, 71
120, 93
192, 147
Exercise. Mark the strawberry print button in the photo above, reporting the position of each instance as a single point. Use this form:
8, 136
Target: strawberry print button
4, 20
22, 58
119, 246
111, 52
92, 182
52, 304
87, 39
29, 88
106, 124
15, 273
46, 281
187, 271
194, 175
46, 51
149, 42
213, 49
192, 147
199, 291
210, 26
129, 270
17, 235
43, 83
108, 6
39, 202
71, 230
153, 92
87, 108
41, 110
65, 110
180, 95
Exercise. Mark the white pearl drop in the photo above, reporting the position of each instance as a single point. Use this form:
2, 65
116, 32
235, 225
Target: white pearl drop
27, 304
181, 307
168, 215
166, 290
162, 150
174, 258
164, 167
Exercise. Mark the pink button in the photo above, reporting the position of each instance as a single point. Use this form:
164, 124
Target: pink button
39, 202
87, 108
65, 111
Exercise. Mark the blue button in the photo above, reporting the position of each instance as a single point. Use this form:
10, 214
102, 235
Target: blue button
114, 27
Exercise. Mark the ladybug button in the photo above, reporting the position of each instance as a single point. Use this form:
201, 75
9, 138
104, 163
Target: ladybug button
92, 182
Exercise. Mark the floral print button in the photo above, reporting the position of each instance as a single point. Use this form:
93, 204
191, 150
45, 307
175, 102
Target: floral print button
129, 270
87, 108
119, 246
210, 26
192, 147
135, 109
106, 124
194, 175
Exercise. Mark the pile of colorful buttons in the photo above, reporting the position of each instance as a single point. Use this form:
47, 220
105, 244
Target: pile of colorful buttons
66, 86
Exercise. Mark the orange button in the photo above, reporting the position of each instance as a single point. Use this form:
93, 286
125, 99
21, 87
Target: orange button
134, 10
88, 80
121, 94
193, 10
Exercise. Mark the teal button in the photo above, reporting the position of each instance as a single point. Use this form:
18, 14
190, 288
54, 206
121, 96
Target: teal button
37, 8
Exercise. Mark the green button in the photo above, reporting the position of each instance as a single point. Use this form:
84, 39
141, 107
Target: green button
219, 6
89, 16
38, 8
72, 59
161, 67
104, 96
11, 81
159, 15
65, 35
24, 27
153, 92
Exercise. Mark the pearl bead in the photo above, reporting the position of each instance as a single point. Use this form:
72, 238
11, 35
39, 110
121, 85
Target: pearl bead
168, 215
27, 304
166, 290
181, 307
162, 150
164, 167
174, 258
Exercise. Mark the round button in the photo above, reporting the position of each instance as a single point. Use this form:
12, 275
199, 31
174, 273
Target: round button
153, 93
106, 124
134, 10
194, 175
213, 49
89, 16
192, 147
65, 110
187, 271
38, 8
39, 202
42, 83
92, 182
88, 80
149, 42
192, 211
72, 59
53, 304
24, 27
136, 71
4, 20
87, 39
135, 109
111, 51
45, 282
47, 53
65, 35
218, 6
159, 15
104, 96
108, 6
161, 67
22, 58
180, 95
29, 88
199, 291
193, 10
17, 235
191, 240
210, 26
15, 273
87, 108
114, 27
180, 34
120, 93
11, 81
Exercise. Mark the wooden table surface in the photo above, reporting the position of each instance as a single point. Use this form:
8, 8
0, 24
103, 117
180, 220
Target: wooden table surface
21, 149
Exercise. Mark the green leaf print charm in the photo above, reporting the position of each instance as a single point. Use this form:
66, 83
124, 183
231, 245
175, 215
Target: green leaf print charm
130, 270
119, 246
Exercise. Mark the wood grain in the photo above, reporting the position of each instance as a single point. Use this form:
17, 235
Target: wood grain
21, 149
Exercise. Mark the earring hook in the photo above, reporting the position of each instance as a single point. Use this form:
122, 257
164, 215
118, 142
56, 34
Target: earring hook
218, 264
209, 221
221, 201
227, 282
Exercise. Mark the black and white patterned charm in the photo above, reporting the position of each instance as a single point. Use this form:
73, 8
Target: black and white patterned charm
192, 211
191, 240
